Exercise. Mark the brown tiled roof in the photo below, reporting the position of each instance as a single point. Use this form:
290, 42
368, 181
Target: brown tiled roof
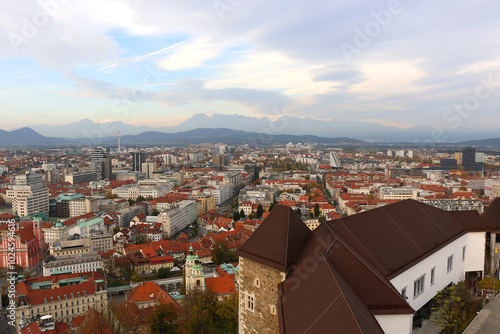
278, 241
412, 228
491, 217
323, 302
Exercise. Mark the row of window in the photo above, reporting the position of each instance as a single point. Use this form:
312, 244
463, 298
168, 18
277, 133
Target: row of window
419, 283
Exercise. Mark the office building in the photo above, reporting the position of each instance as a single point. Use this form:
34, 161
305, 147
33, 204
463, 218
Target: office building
28, 195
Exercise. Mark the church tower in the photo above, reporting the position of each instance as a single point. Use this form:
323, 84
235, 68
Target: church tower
195, 278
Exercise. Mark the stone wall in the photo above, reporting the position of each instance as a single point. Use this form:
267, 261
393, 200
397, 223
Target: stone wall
259, 282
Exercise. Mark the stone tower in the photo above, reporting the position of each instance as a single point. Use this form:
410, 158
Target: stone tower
265, 260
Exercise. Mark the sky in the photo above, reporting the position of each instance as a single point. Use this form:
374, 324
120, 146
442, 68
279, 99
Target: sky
157, 63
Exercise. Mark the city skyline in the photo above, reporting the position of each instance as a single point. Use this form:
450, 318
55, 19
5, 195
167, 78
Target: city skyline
397, 63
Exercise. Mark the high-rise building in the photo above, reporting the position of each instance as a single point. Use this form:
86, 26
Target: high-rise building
468, 156
29, 195
138, 158
148, 168
101, 163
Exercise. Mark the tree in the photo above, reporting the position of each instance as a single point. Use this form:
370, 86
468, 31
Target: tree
260, 211
242, 213
141, 238
131, 202
221, 253
316, 210
271, 207
236, 216
140, 198
164, 320
203, 314
26, 274
299, 212
194, 231
154, 212
163, 273
452, 305
136, 277
116, 229
2, 202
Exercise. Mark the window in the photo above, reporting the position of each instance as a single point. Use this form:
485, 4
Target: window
273, 310
403, 292
449, 266
250, 303
418, 286
256, 282
433, 274
463, 253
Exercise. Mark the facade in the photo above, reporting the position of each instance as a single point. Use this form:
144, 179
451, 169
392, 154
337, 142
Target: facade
288, 285
72, 264
390, 193
28, 195
64, 297
62, 204
132, 191
81, 177
455, 204
29, 246
80, 206
173, 221
492, 187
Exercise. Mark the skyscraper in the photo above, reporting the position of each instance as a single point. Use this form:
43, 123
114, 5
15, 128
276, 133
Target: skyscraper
101, 163
138, 159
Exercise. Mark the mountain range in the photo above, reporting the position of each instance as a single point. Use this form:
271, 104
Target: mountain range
285, 125
29, 137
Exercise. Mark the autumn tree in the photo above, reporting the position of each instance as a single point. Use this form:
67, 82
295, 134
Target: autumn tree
164, 320
204, 315
452, 305
221, 253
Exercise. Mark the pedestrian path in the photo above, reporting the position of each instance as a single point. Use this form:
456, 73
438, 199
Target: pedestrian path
488, 319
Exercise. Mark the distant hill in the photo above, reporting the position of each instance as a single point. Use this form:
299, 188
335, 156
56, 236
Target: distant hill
26, 137
286, 124
492, 143
222, 135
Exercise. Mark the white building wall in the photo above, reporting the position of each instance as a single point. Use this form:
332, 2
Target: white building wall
395, 323
439, 260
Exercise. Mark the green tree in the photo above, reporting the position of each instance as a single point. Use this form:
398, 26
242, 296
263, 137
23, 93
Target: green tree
164, 320
260, 211
299, 212
136, 277
131, 202
452, 305
26, 274
154, 212
242, 213
163, 273
316, 210
221, 253
271, 207
236, 216
140, 198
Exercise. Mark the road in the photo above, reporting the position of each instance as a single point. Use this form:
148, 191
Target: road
161, 282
